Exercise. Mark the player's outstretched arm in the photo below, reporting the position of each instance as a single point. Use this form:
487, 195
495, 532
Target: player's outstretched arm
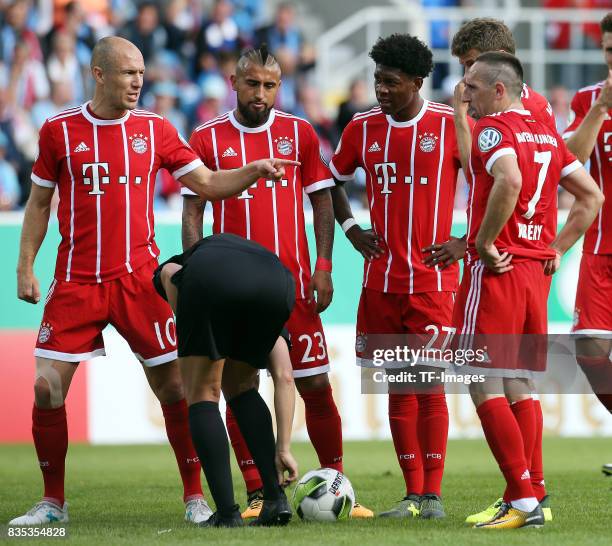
192, 225
33, 231
217, 185
507, 183
582, 141
365, 241
284, 407
588, 201
323, 220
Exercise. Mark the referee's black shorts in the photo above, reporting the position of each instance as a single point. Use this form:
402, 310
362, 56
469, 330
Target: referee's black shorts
234, 297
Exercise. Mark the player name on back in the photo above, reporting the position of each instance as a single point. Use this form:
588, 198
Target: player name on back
537, 138
531, 232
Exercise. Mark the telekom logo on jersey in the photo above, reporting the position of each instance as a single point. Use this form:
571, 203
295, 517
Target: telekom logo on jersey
386, 174
95, 174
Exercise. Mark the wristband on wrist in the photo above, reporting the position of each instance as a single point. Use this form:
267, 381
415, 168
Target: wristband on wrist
323, 264
348, 224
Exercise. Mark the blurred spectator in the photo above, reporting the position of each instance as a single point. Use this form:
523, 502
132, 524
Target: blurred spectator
559, 99
246, 13
312, 110
14, 30
145, 31
178, 21
219, 33
61, 99
214, 90
73, 23
63, 65
96, 12
357, 102
166, 97
28, 80
9, 183
283, 33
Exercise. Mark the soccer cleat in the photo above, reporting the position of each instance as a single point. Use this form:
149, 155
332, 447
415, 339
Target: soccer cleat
431, 507
217, 520
197, 511
42, 513
545, 504
508, 517
408, 507
360, 511
607, 469
274, 513
255, 502
486, 514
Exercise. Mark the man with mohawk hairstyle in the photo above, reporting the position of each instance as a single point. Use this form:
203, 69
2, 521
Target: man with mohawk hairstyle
271, 213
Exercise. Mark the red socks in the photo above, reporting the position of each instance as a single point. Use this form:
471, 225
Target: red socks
537, 464
598, 371
432, 429
50, 432
244, 458
506, 442
176, 417
403, 415
324, 426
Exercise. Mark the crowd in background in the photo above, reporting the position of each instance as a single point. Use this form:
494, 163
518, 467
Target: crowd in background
190, 48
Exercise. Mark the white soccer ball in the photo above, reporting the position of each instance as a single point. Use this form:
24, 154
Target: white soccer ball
323, 495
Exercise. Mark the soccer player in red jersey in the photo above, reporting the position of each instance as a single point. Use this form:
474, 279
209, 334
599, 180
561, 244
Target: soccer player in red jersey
589, 136
103, 158
516, 163
475, 37
408, 149
271, 213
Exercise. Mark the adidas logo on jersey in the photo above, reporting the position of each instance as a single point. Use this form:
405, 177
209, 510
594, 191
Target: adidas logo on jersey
229, 153
525, 475
82, 147
374, 148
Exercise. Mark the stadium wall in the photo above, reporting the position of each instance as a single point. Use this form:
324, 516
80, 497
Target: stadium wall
110, 402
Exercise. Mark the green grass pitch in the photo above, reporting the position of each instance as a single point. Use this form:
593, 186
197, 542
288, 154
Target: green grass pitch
131, 495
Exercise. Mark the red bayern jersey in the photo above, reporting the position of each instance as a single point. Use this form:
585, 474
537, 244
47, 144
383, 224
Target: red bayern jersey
105, 173
411, 174
271, 213
543, 160
538, 105
598, 238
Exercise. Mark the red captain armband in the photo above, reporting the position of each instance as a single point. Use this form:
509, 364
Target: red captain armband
323, 264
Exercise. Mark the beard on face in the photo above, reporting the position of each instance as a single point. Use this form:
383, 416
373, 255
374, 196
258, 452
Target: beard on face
253, 118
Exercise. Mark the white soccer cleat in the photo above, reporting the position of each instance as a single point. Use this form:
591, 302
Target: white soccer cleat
197, 511
44, 512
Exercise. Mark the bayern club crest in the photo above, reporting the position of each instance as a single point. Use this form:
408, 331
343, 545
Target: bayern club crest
284, 145
139, 143
427, 142
45, 332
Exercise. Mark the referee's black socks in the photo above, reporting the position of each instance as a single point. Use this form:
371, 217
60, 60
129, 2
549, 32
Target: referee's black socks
211, 445
255, 422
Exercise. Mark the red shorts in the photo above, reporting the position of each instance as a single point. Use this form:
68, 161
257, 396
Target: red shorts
308, 347
426, 316
497, 311
75, 315
593, 311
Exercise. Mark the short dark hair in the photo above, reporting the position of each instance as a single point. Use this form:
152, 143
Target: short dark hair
404, 52
483, 34
606, 23
509, 70
260, 56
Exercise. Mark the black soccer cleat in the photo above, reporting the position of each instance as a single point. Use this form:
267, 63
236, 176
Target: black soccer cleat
218, 520
274, 513
607, 469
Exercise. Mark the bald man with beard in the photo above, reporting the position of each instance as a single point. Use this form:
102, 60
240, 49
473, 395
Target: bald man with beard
103, 157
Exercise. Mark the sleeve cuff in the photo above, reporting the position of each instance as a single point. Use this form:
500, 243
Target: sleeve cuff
320, 185
337, 175
187, 168
42, 182
567, 134
186, 191
497, 155
569, 169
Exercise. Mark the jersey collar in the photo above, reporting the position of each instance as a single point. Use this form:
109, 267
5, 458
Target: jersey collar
410, 122
99, 121
246, 129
